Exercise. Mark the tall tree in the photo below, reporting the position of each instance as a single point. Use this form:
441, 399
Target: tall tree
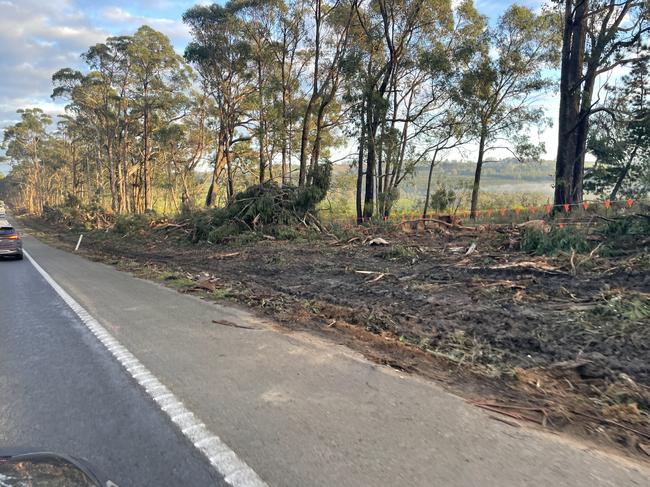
25, 144
501, 90
159, 80
331, 37
221, 55
620, 138
598, 36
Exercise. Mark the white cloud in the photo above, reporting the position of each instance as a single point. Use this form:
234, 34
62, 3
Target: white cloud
36, 39
128, 22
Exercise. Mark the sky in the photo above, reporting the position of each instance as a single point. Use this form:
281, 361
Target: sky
38, 37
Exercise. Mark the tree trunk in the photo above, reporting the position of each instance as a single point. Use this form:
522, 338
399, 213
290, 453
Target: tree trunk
428, 195
229, 175
477, 175
369, 198
218, 164
582, 134
125, 181
145, 166
315, 153
304, 139
283, 178
360, 169
111, 175
573, 50
624, 173
262, 128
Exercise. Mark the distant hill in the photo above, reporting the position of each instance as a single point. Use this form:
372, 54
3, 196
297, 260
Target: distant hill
507, 176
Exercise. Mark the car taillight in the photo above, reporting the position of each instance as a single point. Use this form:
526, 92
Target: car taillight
13, 237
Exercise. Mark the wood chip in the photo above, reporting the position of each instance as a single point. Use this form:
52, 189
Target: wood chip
206, 284
471, 249
380, 276
378, 241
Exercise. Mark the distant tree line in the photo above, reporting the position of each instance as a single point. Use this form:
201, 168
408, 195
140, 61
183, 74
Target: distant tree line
268, 91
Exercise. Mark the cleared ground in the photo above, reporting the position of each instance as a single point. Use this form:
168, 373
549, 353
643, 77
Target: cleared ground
562, 342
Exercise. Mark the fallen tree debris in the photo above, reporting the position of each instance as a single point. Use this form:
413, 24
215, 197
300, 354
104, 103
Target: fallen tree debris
234, 325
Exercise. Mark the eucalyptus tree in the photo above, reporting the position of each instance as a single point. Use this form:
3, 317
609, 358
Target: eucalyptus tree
598, 36
425, 118
159, 81
290, 61
25, 144
502, 89
447, 125
259, 22
221, 53
330, 25
107, 62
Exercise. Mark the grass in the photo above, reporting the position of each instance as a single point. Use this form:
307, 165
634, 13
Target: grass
222, 293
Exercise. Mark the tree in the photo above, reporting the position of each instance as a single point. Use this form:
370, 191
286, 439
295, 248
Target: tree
221, 55
598, 36
500, 91
331, 27
393, 38
25, 145
620, 139
290, 61
160, 78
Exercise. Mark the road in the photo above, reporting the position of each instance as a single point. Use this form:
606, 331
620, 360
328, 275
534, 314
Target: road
297, 410
62, 391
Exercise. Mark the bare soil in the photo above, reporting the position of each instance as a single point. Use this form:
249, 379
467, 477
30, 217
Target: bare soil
561, 342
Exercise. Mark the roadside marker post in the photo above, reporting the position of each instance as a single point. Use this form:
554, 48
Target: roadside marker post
79, 242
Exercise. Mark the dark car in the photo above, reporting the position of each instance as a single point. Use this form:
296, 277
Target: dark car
11, 244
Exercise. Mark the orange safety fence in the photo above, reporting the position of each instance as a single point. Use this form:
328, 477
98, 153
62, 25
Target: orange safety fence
563, 214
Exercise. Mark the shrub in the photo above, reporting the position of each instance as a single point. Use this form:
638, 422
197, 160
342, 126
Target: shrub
285, 232
128, 223
629, 226
557, 240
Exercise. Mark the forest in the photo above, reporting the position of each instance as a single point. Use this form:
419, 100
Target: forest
274, 93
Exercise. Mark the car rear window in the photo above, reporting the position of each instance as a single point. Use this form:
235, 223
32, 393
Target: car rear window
7, 231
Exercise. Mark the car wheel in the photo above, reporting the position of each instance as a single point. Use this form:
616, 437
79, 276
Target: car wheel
19, 257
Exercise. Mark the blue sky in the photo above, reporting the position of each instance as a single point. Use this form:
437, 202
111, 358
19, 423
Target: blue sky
38, 37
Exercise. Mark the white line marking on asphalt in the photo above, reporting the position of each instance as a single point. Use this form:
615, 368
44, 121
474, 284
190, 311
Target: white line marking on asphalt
235, 472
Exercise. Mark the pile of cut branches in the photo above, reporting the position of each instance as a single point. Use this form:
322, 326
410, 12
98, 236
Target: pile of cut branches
260, 206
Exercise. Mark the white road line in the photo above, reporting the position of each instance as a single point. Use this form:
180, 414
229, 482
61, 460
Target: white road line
235, 471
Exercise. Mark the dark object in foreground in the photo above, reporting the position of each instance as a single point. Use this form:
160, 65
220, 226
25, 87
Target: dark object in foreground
22, 469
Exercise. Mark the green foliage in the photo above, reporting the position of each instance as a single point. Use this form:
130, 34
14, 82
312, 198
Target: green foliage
442, 198
129, 223
260, 205
624, 233
557, 240
620, 139
634, 309
630, 226
286, 232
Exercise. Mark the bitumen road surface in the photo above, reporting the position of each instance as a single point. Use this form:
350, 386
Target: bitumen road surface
299, 411
62, 391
